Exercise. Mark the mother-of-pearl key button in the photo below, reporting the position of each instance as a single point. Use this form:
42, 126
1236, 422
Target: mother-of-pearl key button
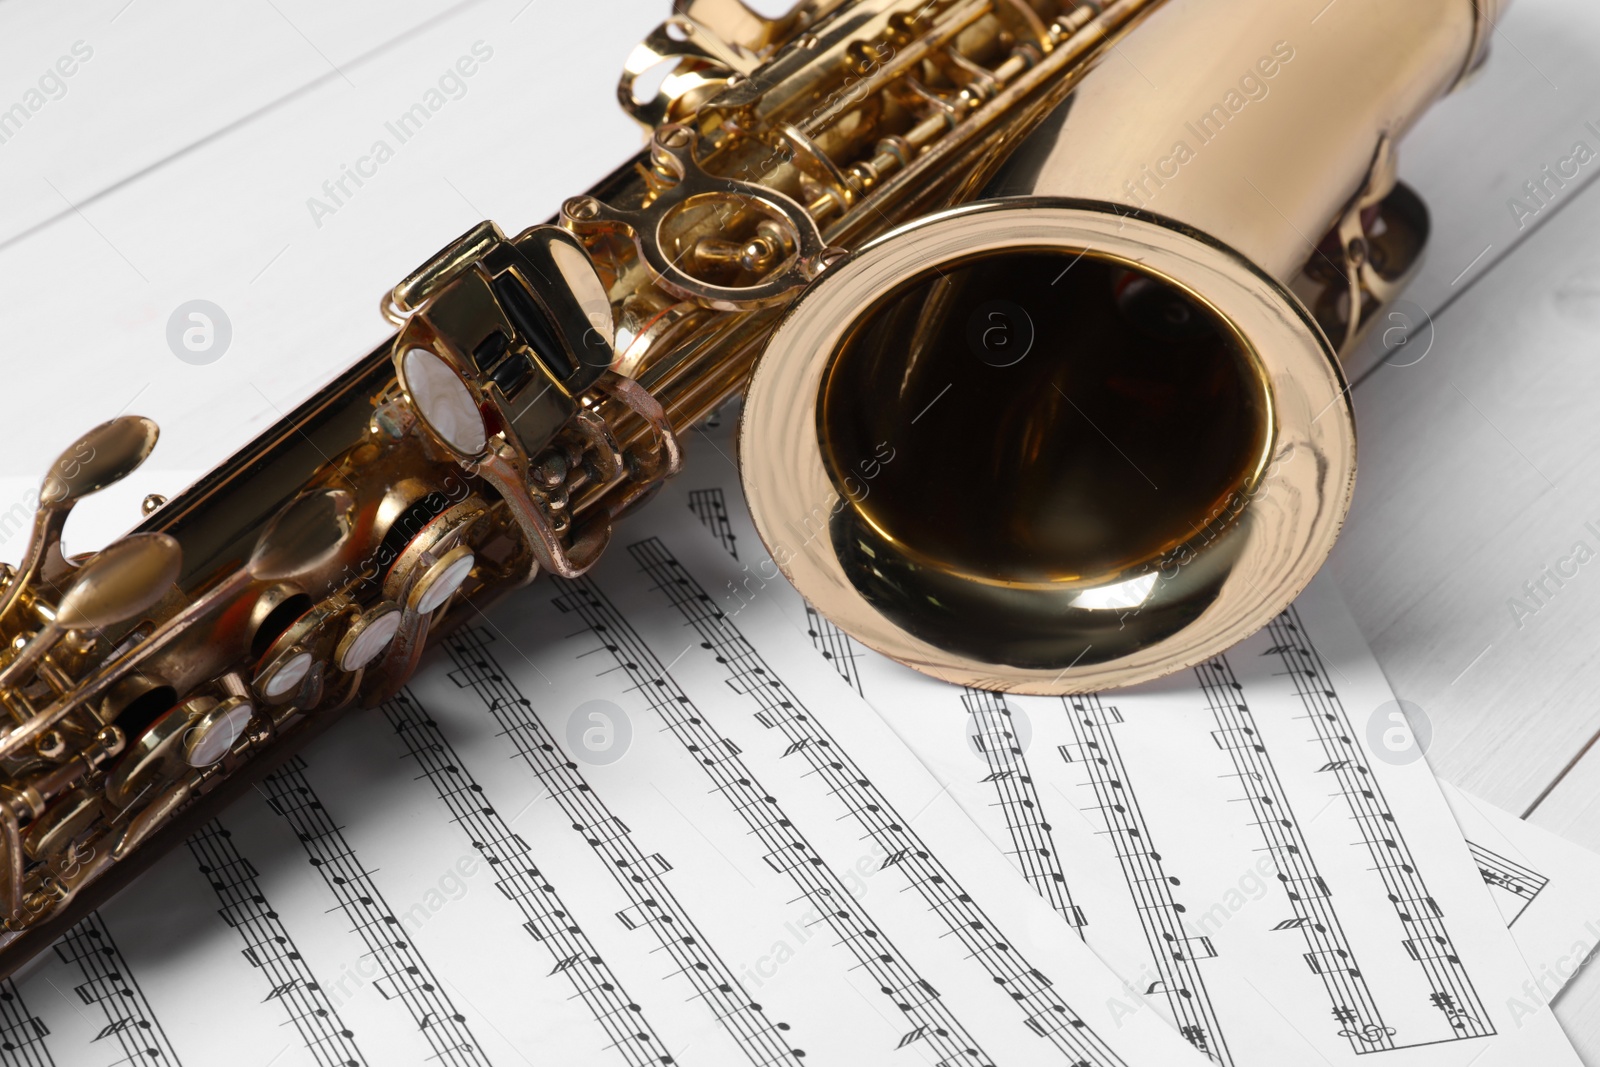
444, 401
372, 638
442, 580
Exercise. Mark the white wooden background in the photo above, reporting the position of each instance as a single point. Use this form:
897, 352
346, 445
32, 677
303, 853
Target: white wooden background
177, 163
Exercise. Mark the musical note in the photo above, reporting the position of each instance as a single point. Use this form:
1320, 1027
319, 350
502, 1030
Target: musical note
564, 964
281, 990
912, 994
835, 646
709, 506
789, 857
751, 677
641, 877
1403, 885
112, 1028
1504, 875
1304, 887
110, 984
1415, 909
1430, 948
1332, 961
1237, 737
912, 1037
403, 975
22, 1030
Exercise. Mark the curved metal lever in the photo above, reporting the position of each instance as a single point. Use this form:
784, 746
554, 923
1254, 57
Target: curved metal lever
792, 237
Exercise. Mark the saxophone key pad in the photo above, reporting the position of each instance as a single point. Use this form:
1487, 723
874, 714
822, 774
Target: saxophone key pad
367, 637
279, 678
214, 735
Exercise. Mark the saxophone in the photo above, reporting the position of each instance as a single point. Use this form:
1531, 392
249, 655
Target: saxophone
1036, 307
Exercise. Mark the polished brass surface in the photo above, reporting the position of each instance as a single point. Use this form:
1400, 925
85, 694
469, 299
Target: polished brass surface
871, 191
102, 457
1004, 502
1080, 520
1060, 626
1011, 482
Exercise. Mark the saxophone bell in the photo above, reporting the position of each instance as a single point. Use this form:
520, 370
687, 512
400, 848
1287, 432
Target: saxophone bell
1040, 459
1121, 437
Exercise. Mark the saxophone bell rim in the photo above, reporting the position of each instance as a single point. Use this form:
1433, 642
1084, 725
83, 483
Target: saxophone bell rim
1283, 531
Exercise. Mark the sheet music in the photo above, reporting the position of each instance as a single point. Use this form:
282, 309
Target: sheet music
1234, 832
598, 827
1547, 888
270, 949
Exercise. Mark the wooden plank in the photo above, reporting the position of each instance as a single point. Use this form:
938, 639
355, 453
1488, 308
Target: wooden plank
1572, 809
1475, 478
110, 89
1578, 1010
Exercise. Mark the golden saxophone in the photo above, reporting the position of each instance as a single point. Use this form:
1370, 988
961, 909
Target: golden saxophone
1036, 307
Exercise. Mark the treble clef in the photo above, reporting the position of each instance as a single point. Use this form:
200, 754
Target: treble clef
1370, 1032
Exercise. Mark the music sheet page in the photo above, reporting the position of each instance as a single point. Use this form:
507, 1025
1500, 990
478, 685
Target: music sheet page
1547, 888
596, 828
1256, 838
649, 818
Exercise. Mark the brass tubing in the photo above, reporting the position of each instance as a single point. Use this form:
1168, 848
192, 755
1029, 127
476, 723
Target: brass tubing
11, 876
1229, 146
